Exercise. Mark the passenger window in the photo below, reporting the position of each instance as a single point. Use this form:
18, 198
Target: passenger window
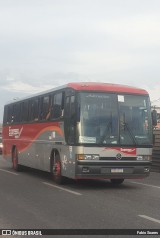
10, 115
24, 110
46, 108
34, 109
58, 106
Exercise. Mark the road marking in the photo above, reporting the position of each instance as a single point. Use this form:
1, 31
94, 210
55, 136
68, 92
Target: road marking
148, 185
64, 189
8, 171
150, 218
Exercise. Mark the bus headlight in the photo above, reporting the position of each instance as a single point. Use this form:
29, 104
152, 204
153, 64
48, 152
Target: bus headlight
87, 157
144, 157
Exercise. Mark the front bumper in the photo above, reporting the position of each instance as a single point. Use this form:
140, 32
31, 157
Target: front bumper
111, 170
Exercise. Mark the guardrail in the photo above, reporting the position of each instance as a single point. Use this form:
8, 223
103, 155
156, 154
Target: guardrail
156, 151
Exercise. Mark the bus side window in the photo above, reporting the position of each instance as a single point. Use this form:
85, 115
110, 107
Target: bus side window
57, 105
33, 109
5, 115
36, 109
24, 111
8, 114
12, 115
45, 108
7, 118
17, 112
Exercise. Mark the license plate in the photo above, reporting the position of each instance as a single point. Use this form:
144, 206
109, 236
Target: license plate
116, 170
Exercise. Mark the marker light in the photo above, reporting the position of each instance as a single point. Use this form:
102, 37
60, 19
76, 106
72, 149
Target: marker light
87, 157
144, 157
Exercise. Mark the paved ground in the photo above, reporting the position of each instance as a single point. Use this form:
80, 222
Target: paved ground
29, 199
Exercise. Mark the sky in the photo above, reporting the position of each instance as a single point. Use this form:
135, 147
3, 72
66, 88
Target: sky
48, 43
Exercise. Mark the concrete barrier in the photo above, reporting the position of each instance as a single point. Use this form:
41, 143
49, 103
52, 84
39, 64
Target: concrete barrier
156, 151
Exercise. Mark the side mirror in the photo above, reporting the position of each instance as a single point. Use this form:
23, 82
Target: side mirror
154, 117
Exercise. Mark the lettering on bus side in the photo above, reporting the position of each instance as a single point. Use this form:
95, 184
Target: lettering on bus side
15, 132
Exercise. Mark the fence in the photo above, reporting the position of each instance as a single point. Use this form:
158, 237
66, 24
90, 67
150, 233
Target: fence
156, 152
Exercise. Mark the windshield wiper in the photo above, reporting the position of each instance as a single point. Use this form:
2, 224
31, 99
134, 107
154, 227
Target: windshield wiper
130, 132
126, 126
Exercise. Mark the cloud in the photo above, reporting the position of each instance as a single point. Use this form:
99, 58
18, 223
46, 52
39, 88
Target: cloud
9, 78
154, 95
48, 43
138, 30
18, 86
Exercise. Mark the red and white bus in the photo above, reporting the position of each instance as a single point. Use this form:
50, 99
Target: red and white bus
81, 131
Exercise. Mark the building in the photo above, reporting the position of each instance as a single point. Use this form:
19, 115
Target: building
157, 108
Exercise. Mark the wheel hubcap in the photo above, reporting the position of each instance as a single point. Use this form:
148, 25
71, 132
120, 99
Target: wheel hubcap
57, 168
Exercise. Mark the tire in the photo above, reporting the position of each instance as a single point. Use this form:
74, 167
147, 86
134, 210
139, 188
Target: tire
56, 170
15, 164
117, 181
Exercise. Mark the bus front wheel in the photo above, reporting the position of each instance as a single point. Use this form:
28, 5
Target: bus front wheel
16, 166
56, 170
117, 181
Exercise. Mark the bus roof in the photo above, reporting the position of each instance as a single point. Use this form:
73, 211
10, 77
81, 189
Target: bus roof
90, 86
106, 87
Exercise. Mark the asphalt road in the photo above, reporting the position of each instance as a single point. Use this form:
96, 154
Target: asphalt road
31, 200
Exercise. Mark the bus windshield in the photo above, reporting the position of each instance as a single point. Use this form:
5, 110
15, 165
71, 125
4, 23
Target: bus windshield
114, 119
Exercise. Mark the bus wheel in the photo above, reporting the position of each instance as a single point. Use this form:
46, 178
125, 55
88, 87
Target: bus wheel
56, 170
117, 181
16, 166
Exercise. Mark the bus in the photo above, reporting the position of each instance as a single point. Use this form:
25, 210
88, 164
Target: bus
81, 131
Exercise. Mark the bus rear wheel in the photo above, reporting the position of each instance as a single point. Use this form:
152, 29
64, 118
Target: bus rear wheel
16, 166
56, 170
117, 181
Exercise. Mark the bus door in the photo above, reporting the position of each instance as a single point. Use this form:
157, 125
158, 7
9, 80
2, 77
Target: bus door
70, 119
